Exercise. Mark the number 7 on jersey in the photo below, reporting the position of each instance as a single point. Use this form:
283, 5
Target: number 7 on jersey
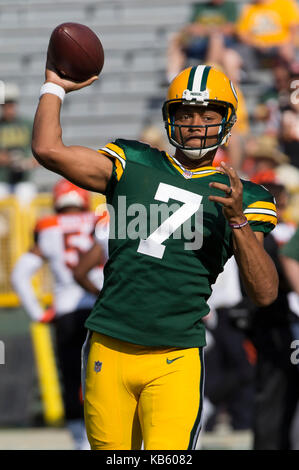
153, 245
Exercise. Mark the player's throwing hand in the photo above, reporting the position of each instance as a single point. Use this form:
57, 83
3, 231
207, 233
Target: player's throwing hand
67, 85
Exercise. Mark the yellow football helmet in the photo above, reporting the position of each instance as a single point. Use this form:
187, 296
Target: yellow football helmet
202, 85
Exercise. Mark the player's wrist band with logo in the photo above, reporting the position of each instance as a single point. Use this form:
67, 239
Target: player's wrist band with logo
239, 225
52, 88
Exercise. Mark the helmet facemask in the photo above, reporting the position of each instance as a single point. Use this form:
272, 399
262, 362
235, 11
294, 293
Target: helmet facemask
228, 119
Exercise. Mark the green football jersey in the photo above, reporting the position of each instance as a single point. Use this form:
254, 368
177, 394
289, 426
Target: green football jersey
167, 245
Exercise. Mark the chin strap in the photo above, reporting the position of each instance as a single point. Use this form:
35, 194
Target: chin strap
198, 153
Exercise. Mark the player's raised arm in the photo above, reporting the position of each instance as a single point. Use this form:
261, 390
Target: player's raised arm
83, 166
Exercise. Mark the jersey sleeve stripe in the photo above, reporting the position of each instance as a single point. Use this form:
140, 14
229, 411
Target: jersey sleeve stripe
118, 150
119, 169
263, 205
262, 218
113, 154
260, 211
112, 150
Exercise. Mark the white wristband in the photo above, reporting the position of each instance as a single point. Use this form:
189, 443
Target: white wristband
52, 88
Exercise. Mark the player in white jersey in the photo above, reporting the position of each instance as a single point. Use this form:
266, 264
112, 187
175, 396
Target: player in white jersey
61, 239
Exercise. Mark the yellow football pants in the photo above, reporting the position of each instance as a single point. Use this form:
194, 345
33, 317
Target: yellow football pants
135, 393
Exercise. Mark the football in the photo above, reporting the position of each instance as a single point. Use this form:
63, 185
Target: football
75, 52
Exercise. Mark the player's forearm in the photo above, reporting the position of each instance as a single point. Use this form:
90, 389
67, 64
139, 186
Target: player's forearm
257, 269
47, 133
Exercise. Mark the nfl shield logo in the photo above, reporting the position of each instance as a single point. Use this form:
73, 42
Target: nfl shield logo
97, 366
187, 174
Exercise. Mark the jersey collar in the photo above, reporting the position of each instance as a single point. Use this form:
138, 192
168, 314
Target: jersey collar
194, 173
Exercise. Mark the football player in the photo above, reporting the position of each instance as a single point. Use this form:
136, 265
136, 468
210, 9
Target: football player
143, 357
61, 240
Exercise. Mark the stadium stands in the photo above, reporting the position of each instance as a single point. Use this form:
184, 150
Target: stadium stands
134, 35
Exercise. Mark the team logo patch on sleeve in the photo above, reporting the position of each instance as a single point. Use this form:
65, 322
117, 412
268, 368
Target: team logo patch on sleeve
97, 366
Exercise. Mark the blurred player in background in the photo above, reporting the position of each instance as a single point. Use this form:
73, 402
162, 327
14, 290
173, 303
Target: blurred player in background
144, 357
60, 240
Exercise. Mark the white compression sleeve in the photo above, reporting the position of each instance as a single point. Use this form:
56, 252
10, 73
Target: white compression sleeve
25, 268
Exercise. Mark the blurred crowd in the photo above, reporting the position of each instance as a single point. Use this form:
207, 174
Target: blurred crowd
250, 377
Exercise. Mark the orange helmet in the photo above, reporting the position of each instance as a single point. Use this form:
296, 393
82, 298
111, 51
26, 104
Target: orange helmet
66, 194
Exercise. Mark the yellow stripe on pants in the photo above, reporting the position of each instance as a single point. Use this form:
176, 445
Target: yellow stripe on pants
47, 373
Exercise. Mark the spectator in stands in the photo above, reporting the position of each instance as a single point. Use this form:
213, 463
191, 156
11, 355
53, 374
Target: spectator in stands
264, 162
154, 136
262, 158
229, 383
289, 121
289, 257
271, 331
273, 99
278, 110
267, 29
16, 160
290, 261
234, 150
207, 38
289, 134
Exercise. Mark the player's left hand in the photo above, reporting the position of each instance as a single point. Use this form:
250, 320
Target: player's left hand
232, 202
